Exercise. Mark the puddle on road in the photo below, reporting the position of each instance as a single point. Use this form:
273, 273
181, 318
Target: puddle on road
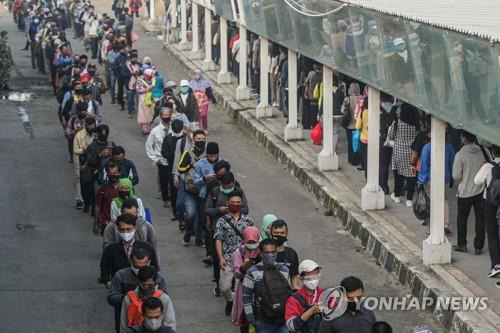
20, 96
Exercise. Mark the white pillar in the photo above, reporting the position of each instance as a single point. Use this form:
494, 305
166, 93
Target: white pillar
224, 76
327, 159
208, 64
436, 249
264, 110
195, 51
292, 129
184, 44
372, 196
243, 92
151, 11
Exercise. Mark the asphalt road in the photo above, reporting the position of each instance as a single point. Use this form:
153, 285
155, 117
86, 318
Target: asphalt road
50, 257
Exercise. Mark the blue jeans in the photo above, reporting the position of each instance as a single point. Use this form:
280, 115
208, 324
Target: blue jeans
193, 227
132, 101
271, 328
179, 203
112, 85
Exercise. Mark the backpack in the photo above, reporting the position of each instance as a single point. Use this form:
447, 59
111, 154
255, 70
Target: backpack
134, 310
312, 324
493, 189
274, 294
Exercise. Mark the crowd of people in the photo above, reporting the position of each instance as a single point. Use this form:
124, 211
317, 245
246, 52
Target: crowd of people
265, 285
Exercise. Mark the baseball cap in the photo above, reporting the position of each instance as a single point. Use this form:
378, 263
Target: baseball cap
184, 83
170, 84
307, 266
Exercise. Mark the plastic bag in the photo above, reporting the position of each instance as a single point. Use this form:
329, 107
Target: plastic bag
422, 204
317, 134
133, 37
356, 141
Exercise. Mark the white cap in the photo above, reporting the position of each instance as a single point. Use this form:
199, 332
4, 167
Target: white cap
184, 83
307, 266
170, 84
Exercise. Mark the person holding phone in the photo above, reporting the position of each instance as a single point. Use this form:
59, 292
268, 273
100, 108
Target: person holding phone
244, 257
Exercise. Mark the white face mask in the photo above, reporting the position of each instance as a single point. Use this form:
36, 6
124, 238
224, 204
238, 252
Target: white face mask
312, 284
177, 135
127, 236
152, 324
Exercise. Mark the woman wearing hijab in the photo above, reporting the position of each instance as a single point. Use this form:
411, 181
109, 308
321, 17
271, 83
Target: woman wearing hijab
267, 220
145, 114
157, 91
244, 258
202, 91
403, 132
125, 190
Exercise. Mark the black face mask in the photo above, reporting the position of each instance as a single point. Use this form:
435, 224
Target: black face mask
91, 73
123, 194
114, 179
90, 130
78, 92
280, 240
200, 146
82, 115
352, 306
102, 137
165, 120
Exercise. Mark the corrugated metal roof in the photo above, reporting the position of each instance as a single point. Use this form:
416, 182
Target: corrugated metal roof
474, 17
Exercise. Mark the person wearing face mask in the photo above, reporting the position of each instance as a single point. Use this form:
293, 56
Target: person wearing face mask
152, 308
116, 256
104, 197
228, 235
188, 103
357, 318
145, 109
71, 98
244, 257
132, 305
265, 227
80, 143
127, 167
265, 310
125, 191
120, 71
145, 230
133, 67
186, 168
75, 124
98, 151
153, 147
168, 146
125, 280
302, 311
286, 255
215, 208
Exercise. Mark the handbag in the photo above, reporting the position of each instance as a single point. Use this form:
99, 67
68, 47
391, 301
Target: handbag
356, 141
189, 186
422, 204
346, 113
388, 142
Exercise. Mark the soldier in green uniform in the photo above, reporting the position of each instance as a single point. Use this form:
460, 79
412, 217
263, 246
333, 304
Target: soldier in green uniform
6, 61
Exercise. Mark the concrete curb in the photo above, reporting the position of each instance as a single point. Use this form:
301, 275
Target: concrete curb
389, 251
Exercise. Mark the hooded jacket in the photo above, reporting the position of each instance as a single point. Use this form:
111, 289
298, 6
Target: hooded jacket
467, 163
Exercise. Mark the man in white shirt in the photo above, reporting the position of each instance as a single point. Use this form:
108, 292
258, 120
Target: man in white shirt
484, 176
153, 150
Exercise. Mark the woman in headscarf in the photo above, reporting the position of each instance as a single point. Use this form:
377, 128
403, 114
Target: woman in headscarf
244, 258
403, 132
125, 190
354, 95
202, 91
157, 91
145, 114
267, 220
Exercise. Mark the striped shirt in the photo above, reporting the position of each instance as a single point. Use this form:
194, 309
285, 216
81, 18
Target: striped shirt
252, 286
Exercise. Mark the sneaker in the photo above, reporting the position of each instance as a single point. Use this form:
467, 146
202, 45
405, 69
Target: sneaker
186, 240
447, 231
494, 271
478, 252
199, 243
86, 209
395, 198
229, 308
409, 203
79, 204
459, 248
424, 222
216, 292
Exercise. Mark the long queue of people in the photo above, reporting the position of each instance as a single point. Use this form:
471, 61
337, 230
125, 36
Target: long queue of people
265, 286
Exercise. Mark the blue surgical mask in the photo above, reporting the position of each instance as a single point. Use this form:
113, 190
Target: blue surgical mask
184, 90
269, 259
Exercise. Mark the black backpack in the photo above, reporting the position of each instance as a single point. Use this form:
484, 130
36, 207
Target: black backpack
274, 294
493, 189
312, 324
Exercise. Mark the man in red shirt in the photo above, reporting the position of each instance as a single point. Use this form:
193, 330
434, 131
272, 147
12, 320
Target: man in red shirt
302, 312
104, 196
